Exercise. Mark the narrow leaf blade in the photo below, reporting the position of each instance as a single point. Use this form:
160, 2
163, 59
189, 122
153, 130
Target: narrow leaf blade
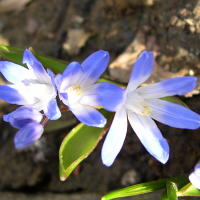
141, 188
189, 190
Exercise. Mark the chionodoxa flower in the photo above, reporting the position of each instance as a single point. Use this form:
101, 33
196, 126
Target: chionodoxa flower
143, 104
32, 87
28, 121
194, 177
77, 89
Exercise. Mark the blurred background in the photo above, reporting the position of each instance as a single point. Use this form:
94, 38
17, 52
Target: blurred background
71, 30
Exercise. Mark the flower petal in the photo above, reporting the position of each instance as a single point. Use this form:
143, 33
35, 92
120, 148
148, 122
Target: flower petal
71, 76
22, 116
88, 115
93, 66
35, 66
150, 136
194, 177
169, 87
173, 114
28, 135
50, 73
12, 72
108, 95
51, 110
16, 94
115, 138
141, 71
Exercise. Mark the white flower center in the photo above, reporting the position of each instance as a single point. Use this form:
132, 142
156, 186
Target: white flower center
38, 90
136, 103
74, 94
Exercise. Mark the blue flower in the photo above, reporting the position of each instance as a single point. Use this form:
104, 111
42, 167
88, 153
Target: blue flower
194, 177
28, 121
32, 87
142, 104
28, 135
23, 116
77, 89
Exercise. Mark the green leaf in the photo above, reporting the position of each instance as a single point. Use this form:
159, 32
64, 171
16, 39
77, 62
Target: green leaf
141, 188
78, 144
189, 190
175, 100
54, 125
15, 55
164, 196
171, 190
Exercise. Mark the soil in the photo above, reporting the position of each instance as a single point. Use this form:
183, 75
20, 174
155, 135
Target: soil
71, 30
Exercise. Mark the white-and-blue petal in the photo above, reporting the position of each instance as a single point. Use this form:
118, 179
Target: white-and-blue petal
150, 136
35, 67
141, 71
169, 87
71, 76
194, 177
173, 115
115, 138
94, 66
13, 73
28, 135
50, 73
108, 95
16, 94
51, 110
88, 115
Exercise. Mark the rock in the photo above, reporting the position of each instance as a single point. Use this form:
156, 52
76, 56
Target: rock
12, 5
131, 177
121, 67
75, 40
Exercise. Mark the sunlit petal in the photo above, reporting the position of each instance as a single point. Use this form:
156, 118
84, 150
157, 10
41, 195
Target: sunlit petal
51, 110
35, 67
88, 115
71, 76
150, 136
115, 138
169, 87
94, 66
13, 73
141, 71
16, 94
194, 177
173, 114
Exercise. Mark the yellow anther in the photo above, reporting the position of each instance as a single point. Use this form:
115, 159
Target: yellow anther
146, 110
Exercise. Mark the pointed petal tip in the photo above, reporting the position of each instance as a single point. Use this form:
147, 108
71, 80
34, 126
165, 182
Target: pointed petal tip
147, 54
165, 155
164, 159
106, 161
26, 53
6, 117
101, 124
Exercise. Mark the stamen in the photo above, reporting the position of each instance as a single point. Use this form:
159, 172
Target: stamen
146, 110
74, 93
